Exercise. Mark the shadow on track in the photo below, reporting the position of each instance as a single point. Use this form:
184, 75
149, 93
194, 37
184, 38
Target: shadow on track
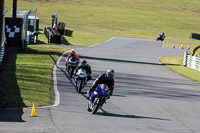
155, 86
11, 115
105, 113
123, 61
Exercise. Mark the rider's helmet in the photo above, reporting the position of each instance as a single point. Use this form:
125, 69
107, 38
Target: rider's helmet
73, 53
84, 63
110, 73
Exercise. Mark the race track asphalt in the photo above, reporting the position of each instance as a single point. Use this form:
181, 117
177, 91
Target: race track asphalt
148, 97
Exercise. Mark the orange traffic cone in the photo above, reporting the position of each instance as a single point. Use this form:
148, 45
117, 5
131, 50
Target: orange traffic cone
33, 113
173, 45
182, 46
188, 47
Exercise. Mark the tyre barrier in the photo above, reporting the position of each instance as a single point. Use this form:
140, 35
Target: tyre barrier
195, 36
52, 35
61, 28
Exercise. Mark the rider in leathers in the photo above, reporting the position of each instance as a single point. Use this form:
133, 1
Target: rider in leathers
72, 54
87, 68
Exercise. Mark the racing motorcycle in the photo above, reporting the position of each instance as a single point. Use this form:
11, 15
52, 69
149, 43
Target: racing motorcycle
161, 37
71, 66
98, 98
80, 79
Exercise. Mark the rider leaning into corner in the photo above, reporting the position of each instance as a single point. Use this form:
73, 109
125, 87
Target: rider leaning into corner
105, 78
87, 68
72, 54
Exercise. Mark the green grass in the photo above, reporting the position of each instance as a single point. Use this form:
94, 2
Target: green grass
178, 45
29, 76
79, 39
193, 48
86, 38
176, 65
124, 18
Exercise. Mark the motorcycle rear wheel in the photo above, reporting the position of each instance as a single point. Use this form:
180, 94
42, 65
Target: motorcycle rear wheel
70, 72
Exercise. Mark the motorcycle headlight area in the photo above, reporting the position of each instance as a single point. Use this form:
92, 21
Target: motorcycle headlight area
82, 75
95, 93
106, 90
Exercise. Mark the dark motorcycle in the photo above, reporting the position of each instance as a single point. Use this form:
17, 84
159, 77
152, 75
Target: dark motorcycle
71, 66
161, 37
80, 79
98, 98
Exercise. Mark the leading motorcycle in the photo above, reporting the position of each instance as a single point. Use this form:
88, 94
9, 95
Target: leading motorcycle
98, 98
161, 37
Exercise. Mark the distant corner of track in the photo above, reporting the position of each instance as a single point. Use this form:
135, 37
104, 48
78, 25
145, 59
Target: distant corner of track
102, 42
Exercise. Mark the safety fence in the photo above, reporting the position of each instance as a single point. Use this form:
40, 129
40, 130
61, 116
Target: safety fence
2, 45
2, 51
191, 61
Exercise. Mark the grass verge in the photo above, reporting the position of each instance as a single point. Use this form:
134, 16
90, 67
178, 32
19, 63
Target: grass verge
29, 76
79, 38
179, 44
176, 64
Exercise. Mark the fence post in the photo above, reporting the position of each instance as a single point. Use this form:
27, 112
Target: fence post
185, 59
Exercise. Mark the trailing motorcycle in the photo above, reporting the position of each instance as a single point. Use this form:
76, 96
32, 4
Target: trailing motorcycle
80, 79
71, 65
98, 98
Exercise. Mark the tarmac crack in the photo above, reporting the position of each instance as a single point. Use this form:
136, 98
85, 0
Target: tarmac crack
54, 122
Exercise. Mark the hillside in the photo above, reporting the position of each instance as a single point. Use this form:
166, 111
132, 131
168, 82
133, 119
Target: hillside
95, 21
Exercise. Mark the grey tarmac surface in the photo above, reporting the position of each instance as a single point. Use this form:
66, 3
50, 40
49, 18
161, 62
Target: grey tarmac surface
148, 97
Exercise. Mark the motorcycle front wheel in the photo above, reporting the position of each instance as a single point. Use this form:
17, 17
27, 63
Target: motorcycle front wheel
80, 86
89, 107
97, 103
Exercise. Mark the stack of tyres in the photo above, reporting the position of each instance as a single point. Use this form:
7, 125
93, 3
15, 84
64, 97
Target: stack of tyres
52, 35
195, 36
46, 32
61, 28
55, 36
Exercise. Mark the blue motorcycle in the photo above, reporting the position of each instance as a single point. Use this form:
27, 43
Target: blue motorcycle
80, 79
98, 98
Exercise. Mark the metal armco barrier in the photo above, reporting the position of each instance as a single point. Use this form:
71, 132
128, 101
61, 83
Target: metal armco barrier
191, 61
2, 45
